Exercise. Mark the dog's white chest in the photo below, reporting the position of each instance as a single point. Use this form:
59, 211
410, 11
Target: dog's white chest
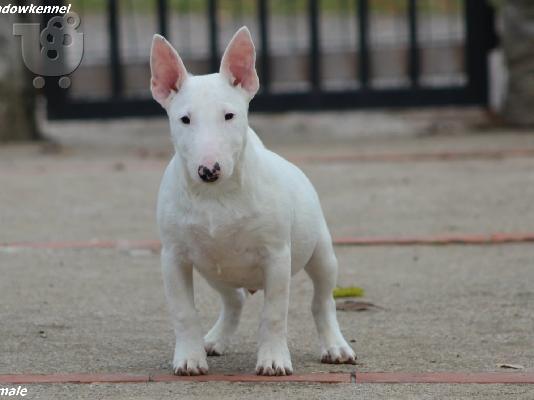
227, 248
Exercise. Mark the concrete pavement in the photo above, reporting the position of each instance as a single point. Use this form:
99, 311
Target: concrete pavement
442, 308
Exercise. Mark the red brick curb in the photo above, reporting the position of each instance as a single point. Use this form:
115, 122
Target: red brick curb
126, 378
488, 239
72, 378
323, 377
446, 377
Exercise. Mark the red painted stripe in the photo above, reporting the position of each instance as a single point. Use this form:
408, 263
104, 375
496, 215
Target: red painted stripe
446, 377
409, 157
89, 244
323, 377
487, 239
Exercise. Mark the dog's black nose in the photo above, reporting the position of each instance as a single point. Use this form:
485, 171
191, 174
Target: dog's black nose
209, 175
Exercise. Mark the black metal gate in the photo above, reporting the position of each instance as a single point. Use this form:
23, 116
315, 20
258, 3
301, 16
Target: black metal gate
360, 91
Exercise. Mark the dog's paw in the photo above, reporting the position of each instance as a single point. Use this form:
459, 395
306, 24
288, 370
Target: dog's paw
274, 360
190, 365
214, 348
215, 342
339, 354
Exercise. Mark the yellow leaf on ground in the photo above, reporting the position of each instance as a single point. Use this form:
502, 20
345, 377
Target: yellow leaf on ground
348, 292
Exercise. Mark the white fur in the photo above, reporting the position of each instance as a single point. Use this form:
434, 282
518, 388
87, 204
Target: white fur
257, 225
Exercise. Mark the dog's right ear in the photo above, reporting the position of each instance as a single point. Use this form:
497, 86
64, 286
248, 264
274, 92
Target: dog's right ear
238, 63
167, 69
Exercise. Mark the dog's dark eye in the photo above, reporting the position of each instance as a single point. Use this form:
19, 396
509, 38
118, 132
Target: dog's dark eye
228, 116
185, 119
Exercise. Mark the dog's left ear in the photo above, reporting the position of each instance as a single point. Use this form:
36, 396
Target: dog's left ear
238, 63
167, 70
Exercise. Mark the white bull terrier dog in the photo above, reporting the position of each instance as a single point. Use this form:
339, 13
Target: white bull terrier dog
244, 217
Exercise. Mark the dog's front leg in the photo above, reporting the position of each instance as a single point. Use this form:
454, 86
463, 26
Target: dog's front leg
189, 353
273, 354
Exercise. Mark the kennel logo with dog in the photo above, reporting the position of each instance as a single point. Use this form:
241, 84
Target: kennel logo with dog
56, 50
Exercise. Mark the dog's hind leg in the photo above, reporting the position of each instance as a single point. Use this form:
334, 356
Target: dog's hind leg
322, 269
219, 335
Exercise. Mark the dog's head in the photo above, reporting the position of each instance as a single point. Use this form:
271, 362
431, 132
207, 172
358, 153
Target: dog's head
207, 113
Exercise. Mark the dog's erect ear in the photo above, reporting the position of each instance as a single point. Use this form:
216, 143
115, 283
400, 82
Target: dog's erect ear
238, 62
167, 68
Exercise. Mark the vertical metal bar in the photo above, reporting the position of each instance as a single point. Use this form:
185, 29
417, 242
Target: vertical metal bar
162, 17
479, 20
264, 38
414, 66
363, 29
114, 55
315, 52
470, 42
213, 35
